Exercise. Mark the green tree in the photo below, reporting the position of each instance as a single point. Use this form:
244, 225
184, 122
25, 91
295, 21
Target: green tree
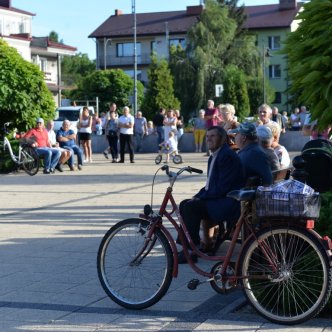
54, 36
24, 95
112, 85
310, 59
235, 91
73, 68
160, 90
216, 41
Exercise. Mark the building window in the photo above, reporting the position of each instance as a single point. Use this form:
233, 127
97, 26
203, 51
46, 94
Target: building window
153, 47
127, 49
43, 65
274, 42
178, 42
277, 98
21, 28
274, 71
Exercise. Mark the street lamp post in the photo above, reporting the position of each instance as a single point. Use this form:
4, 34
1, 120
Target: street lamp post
266, 54
264, 92
135, 58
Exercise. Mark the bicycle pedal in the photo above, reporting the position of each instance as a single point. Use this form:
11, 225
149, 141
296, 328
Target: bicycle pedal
192, 284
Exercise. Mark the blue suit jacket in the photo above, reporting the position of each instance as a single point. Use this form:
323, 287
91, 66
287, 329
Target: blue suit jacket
227, 175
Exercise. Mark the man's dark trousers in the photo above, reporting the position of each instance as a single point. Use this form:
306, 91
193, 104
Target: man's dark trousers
193, 211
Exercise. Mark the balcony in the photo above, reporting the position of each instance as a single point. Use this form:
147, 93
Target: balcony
142, 59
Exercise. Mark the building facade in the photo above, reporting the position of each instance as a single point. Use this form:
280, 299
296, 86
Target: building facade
271, 24
16, 30
157, 31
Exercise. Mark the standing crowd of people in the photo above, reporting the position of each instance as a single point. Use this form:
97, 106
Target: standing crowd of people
126, 133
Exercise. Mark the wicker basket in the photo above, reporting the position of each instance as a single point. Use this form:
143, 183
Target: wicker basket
292, 205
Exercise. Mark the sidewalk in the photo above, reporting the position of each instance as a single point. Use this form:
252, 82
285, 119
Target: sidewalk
51, 227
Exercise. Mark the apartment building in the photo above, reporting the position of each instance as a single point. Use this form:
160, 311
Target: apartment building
16, 30
157, 31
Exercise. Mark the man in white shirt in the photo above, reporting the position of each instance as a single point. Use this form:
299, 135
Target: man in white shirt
126, 125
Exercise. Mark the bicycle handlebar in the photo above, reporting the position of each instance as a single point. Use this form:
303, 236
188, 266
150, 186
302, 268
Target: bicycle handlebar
183, 169
194, 170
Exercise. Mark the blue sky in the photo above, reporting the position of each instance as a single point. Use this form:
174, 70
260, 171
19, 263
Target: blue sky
74, 20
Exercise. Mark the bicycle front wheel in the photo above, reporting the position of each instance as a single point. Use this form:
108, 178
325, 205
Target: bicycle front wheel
30, 160
287, 276
132, 278
158, 159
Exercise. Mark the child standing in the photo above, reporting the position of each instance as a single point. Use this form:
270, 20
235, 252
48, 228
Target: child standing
170, 145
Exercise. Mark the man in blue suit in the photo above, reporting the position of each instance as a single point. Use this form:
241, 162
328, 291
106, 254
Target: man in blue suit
225, 173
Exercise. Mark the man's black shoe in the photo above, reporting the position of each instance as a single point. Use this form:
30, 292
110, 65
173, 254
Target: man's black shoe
105, 154
183, 260
59, 168
46, 171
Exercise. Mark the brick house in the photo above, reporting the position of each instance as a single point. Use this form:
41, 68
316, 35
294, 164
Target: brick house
16, 30
157, 31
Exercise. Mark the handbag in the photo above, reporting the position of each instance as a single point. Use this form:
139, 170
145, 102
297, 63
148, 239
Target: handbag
306, 130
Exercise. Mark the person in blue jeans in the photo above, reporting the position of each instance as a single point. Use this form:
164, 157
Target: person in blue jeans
158, 122
43, 146
67, 140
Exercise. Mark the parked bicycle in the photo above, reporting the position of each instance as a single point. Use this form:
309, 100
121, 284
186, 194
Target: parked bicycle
283, 267
26, 157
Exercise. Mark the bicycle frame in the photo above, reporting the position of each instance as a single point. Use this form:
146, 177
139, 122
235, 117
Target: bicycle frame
156, 221
16, 159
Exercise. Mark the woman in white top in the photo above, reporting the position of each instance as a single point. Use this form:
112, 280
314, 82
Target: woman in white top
279, 150
170, 123
85, 130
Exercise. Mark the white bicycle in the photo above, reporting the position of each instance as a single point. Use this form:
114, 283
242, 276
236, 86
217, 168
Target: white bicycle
27, 157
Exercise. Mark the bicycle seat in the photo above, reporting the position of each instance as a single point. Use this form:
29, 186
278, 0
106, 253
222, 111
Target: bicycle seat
242, 194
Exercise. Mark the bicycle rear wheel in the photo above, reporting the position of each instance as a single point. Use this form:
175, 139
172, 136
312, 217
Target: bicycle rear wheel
134, 283
299, 287
30, 160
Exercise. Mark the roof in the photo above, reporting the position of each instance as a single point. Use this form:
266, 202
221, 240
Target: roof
45, 42
20, 36
13, 9
146, 24
269, 16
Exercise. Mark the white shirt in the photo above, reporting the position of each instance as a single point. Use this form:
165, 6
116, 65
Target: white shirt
214, 157
125, 120
172, 143
282, 155
52, 137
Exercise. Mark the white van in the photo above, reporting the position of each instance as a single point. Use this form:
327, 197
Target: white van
71, 113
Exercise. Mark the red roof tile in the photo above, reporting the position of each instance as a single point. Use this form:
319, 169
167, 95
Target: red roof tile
45, 42
258, 17
146, 24
269, 16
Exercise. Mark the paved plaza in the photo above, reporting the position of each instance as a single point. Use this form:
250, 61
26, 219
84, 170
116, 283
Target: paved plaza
51, 227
